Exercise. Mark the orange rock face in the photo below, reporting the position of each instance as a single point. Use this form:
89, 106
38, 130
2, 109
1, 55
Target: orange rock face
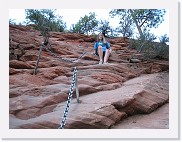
38, 101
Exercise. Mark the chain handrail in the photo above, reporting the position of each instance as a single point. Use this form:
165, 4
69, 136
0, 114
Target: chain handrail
62, 124
48, 48
66, 60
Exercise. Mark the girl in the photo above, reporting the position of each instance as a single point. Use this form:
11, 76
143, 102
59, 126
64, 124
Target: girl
102, 49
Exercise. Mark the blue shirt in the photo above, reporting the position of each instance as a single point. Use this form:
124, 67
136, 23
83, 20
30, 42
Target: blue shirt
104, 46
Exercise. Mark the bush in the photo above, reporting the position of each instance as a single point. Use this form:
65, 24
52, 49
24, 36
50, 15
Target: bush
150, 49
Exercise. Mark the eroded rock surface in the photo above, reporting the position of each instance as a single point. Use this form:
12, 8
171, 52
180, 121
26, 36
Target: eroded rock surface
108, 93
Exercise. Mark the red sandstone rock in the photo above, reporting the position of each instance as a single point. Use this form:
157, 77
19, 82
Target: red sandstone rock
38, 101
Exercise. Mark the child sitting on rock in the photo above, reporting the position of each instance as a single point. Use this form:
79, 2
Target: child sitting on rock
102, 49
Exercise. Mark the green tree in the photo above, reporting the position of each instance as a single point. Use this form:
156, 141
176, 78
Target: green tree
86, 24
12, 21
164, 39
45, 18
126, 24
163, 48
142, 18
104, 27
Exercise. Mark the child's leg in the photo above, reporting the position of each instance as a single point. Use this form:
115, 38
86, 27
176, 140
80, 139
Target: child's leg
100, 52
106, 57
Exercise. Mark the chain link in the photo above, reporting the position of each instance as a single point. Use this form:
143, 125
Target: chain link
48, 48
53, 54
46, 35
62, 124
65, 60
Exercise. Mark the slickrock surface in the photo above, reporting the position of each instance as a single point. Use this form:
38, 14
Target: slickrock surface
109, 93
159, 119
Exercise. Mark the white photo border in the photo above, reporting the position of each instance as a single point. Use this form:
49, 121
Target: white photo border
171, 133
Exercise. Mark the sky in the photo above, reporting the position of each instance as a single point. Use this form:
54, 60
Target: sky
72, 16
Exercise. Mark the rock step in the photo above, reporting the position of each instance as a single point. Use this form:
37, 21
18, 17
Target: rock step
104, 109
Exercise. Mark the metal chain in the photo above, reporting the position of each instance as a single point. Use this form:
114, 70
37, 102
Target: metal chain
46, 35
46, 44
62, 124
66, 60
53, 54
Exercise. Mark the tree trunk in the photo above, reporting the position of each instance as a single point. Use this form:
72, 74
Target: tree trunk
138, 27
